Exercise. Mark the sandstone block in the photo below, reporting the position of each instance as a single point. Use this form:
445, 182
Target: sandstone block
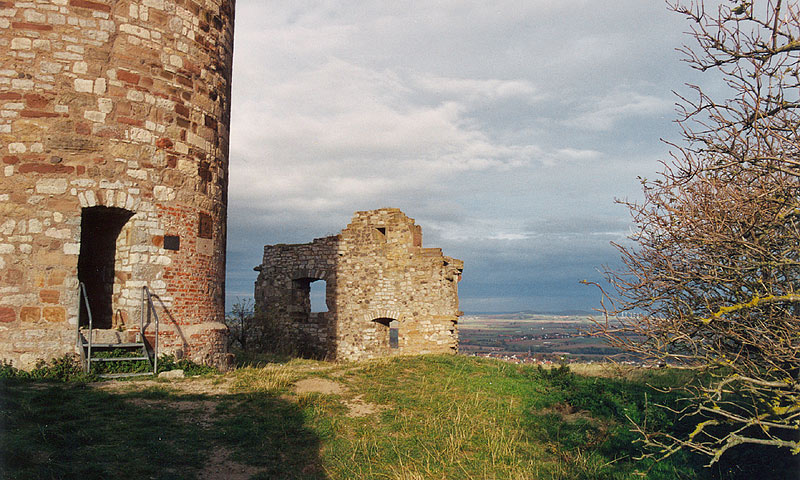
54, 314
52, 186
83, 85
21, 43
30, 314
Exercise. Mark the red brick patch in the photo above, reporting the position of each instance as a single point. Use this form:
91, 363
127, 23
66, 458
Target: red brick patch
34, 100
49, 296
127, 77
7, 315
10, 96
186, 81
182, 110
164, 143
130, 121
37, 114
92, 5
83, 128
31, 26
39, 168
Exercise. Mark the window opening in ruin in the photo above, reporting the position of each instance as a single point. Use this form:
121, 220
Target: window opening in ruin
391, 329
381, 234
100, 229
394, 334
317, 295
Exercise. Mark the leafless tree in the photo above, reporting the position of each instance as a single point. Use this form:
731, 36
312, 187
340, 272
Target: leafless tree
714, 270
240, 324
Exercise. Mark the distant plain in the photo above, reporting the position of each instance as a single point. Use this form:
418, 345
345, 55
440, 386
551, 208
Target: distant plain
539, 336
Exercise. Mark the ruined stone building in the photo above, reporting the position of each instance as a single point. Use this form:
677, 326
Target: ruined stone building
114, 118
384, 293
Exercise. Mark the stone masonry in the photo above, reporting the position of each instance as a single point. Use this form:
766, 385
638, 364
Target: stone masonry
378, 278
114, 118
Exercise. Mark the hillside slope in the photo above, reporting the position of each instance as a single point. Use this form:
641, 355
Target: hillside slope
427, 417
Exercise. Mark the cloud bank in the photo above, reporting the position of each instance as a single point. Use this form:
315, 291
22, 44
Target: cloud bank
505, 130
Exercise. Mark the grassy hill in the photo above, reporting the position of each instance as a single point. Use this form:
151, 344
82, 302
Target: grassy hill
427, 417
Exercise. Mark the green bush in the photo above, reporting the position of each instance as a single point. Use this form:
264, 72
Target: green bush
65, 369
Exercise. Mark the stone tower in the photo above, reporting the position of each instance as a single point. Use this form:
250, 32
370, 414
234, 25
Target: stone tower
114, 118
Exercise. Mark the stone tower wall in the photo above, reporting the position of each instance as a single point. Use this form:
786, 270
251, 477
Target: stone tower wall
121, 108
377, 275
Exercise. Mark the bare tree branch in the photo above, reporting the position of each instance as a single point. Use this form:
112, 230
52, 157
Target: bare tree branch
713, 278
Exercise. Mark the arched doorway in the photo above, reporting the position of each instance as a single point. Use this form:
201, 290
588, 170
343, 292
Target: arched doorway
97, 260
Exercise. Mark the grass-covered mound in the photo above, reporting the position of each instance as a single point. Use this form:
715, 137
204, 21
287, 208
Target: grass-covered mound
428, 417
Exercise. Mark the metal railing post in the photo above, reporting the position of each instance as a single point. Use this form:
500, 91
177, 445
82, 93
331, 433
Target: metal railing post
141, 315
85, 296
147, 302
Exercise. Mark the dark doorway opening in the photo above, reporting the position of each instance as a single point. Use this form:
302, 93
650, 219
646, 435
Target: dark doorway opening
100, 228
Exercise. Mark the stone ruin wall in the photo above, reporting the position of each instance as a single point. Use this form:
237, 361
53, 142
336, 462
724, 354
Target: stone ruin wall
116, 110
376, 271
282, 293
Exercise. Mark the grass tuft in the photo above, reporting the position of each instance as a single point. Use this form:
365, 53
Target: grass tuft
268, 379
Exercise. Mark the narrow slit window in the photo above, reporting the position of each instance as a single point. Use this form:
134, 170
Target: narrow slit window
394, 334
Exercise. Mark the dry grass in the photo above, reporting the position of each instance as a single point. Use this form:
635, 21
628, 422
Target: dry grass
270, 378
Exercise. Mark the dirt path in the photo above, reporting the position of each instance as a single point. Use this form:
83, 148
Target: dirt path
358, 407
219, 466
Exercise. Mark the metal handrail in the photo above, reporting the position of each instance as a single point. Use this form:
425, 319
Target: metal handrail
82, 293
147, 304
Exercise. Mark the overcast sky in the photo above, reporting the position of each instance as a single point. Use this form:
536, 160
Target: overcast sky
506, 129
